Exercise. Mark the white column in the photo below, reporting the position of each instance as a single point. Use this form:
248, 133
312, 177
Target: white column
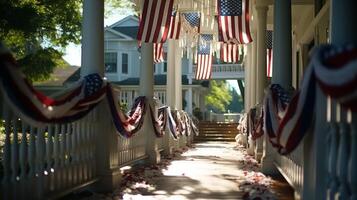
282, 54
147, 90
170, 77
107, 169
189, 95
253, 72
93, 37
178, 76
261, 53
247, 77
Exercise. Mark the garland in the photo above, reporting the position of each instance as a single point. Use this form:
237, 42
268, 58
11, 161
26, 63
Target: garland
286, 120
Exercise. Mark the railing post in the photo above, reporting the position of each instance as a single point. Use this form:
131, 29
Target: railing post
107, 169
147, 90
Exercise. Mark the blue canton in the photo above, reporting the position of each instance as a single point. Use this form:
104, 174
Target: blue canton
230, 7
205, 41
193, 18
281, 92
269, 39
93, 83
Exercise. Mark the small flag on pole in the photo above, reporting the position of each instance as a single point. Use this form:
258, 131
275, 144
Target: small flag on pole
155, 21
204, 58
175, 26
233, 21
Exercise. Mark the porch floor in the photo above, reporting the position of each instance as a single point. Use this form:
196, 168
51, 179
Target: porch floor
210, 170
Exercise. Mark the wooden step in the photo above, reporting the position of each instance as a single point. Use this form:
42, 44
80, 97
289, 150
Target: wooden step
213, 131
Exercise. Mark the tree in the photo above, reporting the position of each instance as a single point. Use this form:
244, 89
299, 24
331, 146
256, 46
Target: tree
37, 32
219, 96
236, 105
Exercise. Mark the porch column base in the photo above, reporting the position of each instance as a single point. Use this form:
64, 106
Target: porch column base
251, 147
258, 149
168, 144
154, 156
108, 181
268, 166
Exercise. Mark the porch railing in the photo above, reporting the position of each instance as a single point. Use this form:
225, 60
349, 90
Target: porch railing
46, 161
224, 68
49, 161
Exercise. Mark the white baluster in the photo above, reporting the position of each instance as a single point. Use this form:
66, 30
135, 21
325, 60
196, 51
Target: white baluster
32, 152
23, 159
40, 158
74, 152
15, 151
49, 148
353, 158
56, 156
49, 157
63, 137
342, 162
7, 154
69, 162
79, 151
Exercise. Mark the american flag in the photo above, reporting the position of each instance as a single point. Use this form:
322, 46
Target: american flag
175, 26
158, 52
230, 53
233, 21
204, 58
191, 22
155, 21
269, 41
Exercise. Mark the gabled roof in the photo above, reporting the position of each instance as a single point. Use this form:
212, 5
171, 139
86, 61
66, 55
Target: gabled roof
127, 27
59, 76
119, 34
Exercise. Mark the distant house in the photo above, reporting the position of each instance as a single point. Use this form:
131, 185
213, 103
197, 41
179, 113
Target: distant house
122, 65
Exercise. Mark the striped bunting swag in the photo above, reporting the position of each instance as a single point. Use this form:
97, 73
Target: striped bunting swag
233, 21
204, 57
288, 120
155, 21
158, 52
230, 53
269, 43
175, 26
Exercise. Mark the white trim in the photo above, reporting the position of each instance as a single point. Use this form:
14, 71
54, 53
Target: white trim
118, 33
117, 24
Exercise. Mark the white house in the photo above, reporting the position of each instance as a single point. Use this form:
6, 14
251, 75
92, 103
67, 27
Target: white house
122, 66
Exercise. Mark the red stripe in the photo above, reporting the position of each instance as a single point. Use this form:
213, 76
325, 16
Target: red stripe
150, 26
342, 59
247, 19
226, 30
142, 21
167, 22
178, 28
157, 26
232, 27
241, 41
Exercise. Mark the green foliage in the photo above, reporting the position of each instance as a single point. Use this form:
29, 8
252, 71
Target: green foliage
37, 32
236, 105
219, 96
122, 7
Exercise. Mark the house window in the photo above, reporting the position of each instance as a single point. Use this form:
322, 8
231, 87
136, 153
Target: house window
165, 66
110, 60
124, 63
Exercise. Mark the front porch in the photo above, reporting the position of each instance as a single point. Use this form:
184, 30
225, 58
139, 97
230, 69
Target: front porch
89, 142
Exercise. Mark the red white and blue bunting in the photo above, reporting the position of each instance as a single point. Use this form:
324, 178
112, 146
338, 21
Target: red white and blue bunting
38, 109
334, 70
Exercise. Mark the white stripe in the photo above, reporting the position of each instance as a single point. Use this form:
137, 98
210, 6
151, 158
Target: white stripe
236, 29
244, 28
166, 18
155, 23
146, 21
224, 28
